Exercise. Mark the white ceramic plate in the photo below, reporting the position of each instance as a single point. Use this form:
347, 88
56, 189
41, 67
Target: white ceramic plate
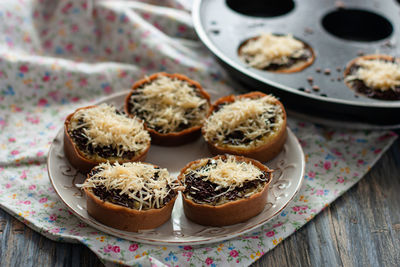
288, 176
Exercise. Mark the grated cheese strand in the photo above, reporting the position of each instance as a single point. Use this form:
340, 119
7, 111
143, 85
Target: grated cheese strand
377, 74
270, 49
228, 173
104, 127
250, 116
166, 104
134, 179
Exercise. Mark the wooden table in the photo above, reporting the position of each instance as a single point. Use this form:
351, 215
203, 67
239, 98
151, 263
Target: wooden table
361, 228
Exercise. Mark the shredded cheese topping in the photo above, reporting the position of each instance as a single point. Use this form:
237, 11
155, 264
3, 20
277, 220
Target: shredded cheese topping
377, 74
227, 174
166, 104
104, 127
136, 180
247, 115
270, 49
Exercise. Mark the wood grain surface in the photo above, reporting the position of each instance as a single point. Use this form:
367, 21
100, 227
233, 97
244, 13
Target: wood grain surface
361, 228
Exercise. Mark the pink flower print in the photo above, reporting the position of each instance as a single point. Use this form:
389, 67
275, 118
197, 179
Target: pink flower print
296, 209
336, 152
145, 34
303, 207
23, 175
187, 247
83, 82
270, 234
14, 152
75, 99
40, 153
32, 187
327, 165
277, 225
69, 47
52, 218
27, 202
33, 120
377, 151
108, 248
108, 50
46, 78
320, 192
48, 44
116, 249
111, 16
133, 247
66, 8
42, 102
74, 28
43, 200
209, 261
181, 28
234, 253
107, 89
11, 139
340, 179
311, 174
146, 15
8, 186
56, 230
24, 68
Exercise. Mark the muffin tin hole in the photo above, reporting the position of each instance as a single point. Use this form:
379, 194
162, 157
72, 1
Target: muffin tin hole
256, 8
357, 25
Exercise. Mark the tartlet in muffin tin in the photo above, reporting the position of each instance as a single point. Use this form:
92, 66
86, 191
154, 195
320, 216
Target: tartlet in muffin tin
276, 53
374, 76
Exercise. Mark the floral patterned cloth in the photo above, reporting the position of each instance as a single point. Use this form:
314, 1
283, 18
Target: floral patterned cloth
56, 56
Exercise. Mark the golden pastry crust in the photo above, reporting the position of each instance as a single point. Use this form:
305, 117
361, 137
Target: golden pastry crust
171, 138
124, 218
297, 67
229, 213
77, 157
271, 146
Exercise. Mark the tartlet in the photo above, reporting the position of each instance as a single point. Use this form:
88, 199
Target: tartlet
252, 125
276, 53
374, 76
96, 134
172, 106
224, 190
131, 196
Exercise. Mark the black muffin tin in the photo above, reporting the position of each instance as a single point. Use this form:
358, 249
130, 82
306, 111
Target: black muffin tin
338, 31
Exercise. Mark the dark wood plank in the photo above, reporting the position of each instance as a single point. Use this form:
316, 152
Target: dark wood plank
21, 246
361, 228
